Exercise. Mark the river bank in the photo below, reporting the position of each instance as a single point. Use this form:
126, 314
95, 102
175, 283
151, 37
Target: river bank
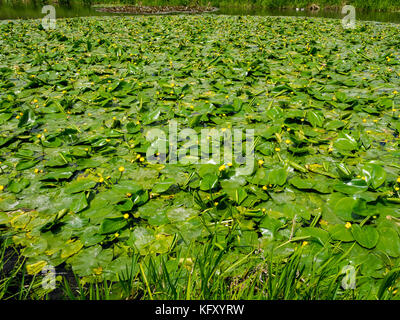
333, 5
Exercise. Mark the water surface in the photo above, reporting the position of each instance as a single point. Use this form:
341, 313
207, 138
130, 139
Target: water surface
10, 10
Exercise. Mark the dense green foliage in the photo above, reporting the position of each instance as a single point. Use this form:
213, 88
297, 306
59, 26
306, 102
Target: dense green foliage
77, 192
334, 4
361, 4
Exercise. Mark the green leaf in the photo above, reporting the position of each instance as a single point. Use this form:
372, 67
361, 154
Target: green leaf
341, 233
318, 234
18, 186
301, 183
209, 182
125, 205
35, 247
59, 175
277, 176
180, 214
27, 118
352, 187
344, 208
366, 236
127, 186
112, 225
240, 195
23, 165
87, 260
163, 186
316, 118
374, 175
79, 203
71, 248
389, 242
80, 185
345, 142
123, 267
269, 226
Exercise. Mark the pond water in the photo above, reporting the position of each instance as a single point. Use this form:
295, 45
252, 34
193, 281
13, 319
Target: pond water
10, 10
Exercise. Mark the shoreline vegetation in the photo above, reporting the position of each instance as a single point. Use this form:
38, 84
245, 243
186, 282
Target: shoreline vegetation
136, 9
204, 6
199, 6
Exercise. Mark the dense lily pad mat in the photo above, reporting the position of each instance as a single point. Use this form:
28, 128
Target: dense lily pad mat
76, 102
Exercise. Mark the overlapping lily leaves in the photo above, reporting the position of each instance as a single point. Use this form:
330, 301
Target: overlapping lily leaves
76, 103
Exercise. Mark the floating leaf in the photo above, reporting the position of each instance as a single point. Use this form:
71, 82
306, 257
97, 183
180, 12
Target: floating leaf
163, 186
112, 225
366, 236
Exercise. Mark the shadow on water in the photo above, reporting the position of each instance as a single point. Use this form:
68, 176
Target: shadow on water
32, 9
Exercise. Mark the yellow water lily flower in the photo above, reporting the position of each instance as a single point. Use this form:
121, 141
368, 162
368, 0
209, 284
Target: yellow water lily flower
323, 222
98, 270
